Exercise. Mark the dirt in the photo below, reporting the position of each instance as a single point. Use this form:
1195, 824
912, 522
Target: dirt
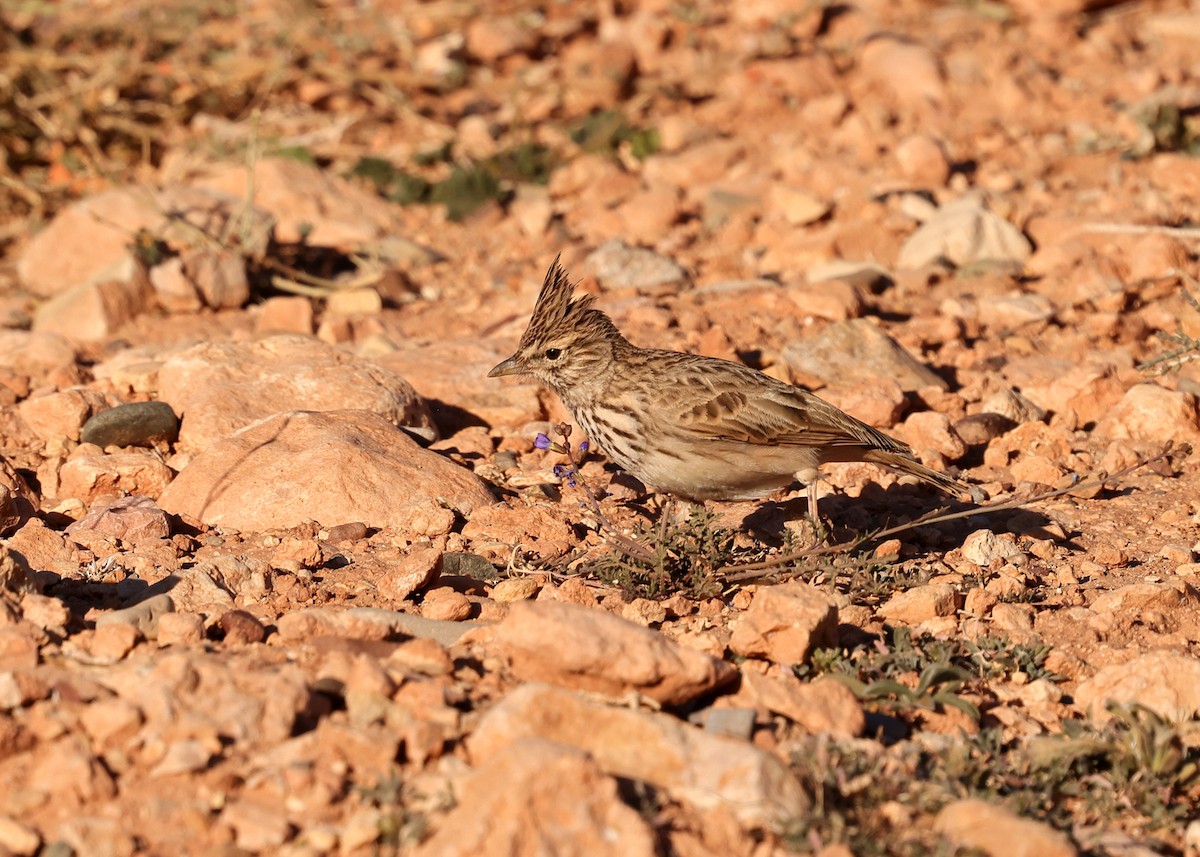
361, 631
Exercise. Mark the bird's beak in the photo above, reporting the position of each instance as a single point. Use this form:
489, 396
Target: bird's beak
508, 367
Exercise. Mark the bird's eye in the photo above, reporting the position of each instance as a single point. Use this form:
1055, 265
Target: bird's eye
553, 353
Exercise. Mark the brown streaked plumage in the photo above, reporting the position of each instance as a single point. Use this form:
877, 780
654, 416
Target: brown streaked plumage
698, 427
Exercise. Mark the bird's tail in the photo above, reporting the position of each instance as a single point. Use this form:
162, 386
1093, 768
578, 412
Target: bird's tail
903, 463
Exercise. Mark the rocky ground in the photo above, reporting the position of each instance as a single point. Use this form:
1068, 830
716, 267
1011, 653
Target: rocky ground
242, 612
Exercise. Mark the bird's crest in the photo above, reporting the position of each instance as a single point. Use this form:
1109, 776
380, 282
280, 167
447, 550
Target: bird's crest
555, 310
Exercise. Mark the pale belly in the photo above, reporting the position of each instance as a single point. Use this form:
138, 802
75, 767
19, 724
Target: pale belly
704, 470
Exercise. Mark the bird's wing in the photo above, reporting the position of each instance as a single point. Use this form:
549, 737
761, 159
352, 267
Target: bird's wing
774, 414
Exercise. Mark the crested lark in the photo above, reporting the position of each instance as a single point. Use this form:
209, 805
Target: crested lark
697, 427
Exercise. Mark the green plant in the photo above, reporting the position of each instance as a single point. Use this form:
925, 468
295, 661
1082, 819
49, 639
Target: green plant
465, 190
1138, 760
1186, 348
683, 557
1168, 128
911, 673
467, 187
400, 826
605, 130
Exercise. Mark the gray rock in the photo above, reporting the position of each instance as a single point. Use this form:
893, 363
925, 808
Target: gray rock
734, 722
857, 352
617, 265
134, 424
143, 615
961, 233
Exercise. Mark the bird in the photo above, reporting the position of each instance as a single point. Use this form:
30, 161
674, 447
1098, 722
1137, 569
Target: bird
700, 428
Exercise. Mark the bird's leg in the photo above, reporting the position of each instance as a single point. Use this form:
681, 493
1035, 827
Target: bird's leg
666, 516
810, 478
813, 515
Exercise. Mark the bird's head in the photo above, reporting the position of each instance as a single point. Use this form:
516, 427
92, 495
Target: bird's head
568, 344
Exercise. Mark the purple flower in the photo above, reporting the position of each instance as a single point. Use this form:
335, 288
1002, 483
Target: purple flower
583, 446
541, 442
566, 473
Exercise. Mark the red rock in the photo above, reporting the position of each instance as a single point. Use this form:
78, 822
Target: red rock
542, 786
1013, 621
180, 629
425, 518
922, 160
94, 311
42, 548
589, 649
412, 573
824, 706
876, 404
17, 501
489, 37
18, 839
106, 222
963, 232
47, 613
309, 204
1036, 468
111, 643
18, 643
444, 604
1153, 413
1135, 598
493, 531
649, 212
515, 589
454, 373
694, 167
258, 825
36, 354
1051, 441
920, 604
835, 300
130, 519
1166, 682
907, 70
784, 623
285, 315
173, 289
931, 430
532, 209
1154, 256
61, 414
1055, 8
706, 770
67, 770
304, 466
219, 276
999, 832
110, 722
219, 387
796, 205
644, 612
20, 688
1090, 390
89, 475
